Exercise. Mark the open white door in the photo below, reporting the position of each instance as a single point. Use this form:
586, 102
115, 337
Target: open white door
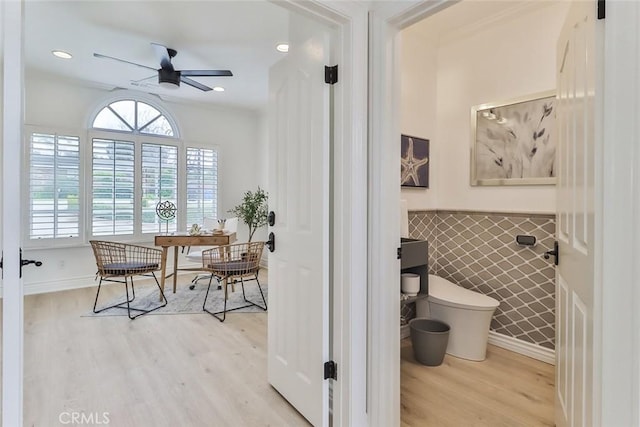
299, 139
11, 25
577, 121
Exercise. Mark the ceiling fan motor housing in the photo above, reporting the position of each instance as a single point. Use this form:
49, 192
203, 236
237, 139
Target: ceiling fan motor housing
169, 76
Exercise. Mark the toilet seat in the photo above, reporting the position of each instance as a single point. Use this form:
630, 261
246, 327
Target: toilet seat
446, 293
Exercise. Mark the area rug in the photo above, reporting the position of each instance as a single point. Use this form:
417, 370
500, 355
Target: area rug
185, 300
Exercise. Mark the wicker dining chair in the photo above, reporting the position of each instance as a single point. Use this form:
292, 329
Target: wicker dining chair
231, 264
121, 260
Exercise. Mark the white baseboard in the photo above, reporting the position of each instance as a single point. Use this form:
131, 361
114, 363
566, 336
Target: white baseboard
522, 347
59, 285
44, 287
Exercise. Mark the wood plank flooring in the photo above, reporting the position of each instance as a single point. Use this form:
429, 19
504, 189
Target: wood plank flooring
191, 370
158, 370
505, 390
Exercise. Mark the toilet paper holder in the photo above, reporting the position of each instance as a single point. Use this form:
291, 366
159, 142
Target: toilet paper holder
526, 240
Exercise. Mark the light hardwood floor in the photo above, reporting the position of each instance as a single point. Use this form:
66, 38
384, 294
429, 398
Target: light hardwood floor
191, 370
505, 390
158, 370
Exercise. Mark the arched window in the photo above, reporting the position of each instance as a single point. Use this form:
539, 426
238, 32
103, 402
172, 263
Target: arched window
131, 175
134, 116
134, 155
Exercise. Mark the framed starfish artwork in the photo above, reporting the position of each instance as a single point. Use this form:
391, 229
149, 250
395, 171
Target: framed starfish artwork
414, 158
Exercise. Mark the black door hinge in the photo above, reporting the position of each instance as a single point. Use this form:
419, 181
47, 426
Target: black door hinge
331, 74
601, 9
400, 253
330, 370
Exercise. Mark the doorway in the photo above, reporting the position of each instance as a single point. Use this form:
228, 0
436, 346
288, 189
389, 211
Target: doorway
383, 28
342, 242
450, 62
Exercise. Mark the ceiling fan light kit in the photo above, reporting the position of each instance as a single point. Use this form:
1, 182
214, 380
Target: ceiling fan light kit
170, 78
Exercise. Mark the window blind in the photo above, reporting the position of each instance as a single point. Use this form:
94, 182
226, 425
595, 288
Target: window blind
113, 176
54, 186
202, 185
159, 183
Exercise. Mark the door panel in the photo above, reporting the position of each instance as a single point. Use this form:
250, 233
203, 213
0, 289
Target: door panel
299, 195
575, 290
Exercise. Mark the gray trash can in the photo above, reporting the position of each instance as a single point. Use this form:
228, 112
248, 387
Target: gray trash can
429, 339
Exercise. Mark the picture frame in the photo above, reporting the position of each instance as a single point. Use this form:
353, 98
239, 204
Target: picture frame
514, 142
414, 161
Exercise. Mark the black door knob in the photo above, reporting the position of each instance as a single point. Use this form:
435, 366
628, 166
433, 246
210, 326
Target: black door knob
271, 243
555, 253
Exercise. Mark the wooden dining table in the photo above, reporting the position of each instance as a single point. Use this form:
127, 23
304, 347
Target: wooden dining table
185, 239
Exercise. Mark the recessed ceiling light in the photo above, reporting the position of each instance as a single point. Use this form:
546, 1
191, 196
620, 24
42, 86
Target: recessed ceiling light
283, 47
218, 89
62, 54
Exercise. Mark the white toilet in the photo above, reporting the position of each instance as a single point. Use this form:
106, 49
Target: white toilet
468, 313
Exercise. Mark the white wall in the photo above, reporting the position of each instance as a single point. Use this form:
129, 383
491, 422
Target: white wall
263, 167
64, 104
497, 62
418, 108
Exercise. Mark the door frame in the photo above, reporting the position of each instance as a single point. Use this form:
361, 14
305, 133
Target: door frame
12, 296
617, 290
349, 205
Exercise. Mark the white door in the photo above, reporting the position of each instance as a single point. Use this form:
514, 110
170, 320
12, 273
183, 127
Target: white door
298, 343
11, 20
576, 118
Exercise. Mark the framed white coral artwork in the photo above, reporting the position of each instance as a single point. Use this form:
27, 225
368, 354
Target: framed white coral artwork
414, 162
514, 142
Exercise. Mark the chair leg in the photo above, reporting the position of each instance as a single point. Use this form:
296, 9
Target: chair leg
128, 301
196, 279
216, 314
120, 304
250, 303
261, 293
142, 312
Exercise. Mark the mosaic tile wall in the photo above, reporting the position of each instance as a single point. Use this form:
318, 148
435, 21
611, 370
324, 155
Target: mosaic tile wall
477, 250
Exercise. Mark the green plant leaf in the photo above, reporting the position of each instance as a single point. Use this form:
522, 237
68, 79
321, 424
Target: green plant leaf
253, 210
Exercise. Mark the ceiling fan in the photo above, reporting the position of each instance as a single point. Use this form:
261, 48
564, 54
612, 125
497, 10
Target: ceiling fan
170, 77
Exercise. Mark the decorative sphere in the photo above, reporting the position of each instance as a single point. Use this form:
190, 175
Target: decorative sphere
166, 210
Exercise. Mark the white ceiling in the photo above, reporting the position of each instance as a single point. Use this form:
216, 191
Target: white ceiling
236, 35
470, 16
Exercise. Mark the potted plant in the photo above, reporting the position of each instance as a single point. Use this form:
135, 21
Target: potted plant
253, 210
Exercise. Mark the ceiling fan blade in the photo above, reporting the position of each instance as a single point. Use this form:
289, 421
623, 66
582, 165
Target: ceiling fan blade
155, 76
207, 73
162, 53
195, 84
98, 55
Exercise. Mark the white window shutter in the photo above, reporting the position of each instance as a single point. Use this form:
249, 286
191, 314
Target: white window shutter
113, 178
54, 187
202, 185
159, 183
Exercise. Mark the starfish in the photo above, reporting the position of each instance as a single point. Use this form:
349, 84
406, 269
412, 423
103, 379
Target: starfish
410, 166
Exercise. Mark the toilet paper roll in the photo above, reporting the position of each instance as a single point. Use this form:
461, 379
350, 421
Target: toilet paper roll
410, 283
